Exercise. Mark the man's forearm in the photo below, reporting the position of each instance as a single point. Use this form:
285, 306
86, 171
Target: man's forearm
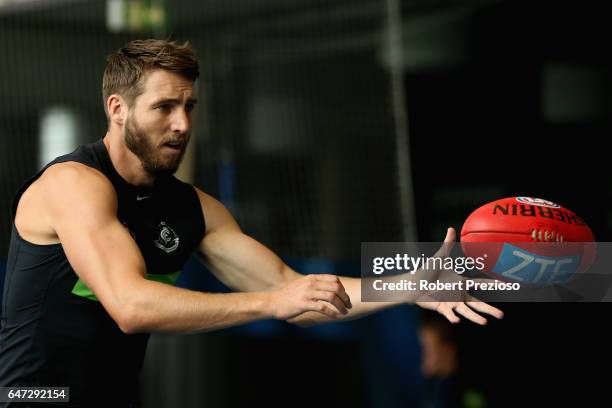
157, 307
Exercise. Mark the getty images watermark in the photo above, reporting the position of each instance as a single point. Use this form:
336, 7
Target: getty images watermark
433, 267
491, 271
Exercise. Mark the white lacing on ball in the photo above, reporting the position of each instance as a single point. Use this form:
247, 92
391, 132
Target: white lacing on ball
546, 236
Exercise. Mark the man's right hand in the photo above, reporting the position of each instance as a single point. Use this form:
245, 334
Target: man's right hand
460, 301
315, 293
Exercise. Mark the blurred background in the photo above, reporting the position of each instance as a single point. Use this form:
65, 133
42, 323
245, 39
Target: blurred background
324, 124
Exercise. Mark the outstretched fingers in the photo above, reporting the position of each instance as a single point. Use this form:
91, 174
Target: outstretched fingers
446, 310
471, 310
469, 314
484, 307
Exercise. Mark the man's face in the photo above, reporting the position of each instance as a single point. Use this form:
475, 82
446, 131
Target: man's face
158, 126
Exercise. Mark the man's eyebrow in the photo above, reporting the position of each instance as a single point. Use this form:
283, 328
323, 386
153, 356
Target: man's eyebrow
162, 101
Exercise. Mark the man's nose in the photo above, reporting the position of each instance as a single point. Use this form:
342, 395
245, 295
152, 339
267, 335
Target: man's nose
181, 121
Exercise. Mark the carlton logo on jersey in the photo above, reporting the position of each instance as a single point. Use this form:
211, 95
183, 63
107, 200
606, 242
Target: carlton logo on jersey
168, 240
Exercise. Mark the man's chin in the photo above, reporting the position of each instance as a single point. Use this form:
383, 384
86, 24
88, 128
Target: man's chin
162, 170
170, 162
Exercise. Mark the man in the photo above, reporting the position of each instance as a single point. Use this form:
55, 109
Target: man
100, 234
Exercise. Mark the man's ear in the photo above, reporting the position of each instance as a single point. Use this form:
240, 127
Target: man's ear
117, 109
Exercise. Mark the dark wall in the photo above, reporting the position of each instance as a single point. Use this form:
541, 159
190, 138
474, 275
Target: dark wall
493, 128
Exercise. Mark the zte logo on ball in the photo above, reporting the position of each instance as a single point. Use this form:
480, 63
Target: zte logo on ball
520, 265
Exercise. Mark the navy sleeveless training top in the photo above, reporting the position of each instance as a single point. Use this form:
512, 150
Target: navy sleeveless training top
54, 332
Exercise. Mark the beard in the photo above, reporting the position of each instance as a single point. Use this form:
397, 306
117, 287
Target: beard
154, 159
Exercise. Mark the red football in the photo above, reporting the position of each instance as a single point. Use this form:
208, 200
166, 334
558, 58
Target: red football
515, 229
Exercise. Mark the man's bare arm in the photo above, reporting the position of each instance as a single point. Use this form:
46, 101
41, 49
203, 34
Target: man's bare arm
244, 264
82, 207
471, 308
236, 259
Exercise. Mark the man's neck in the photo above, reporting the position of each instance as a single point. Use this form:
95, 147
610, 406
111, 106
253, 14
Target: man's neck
126, 163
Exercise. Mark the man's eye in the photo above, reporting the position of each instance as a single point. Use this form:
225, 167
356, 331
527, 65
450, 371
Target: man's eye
189, 107
164, 108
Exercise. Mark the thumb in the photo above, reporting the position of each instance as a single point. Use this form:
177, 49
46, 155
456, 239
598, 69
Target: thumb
449, 243
451, 235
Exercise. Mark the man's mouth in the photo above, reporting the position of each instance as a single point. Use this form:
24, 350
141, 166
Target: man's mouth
174, 145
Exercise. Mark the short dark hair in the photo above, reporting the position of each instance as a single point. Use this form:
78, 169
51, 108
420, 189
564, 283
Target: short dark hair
126, 68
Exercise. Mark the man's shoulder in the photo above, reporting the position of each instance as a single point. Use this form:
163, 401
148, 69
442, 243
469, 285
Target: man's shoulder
72, 172
64, 191
61, 178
